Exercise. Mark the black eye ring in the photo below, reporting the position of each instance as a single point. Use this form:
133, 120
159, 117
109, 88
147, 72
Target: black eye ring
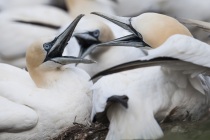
96, 33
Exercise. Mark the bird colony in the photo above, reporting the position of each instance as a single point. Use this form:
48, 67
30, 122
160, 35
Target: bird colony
88, 65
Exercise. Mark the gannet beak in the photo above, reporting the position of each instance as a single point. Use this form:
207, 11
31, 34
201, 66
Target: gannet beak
124, 22
134, 65
129, 40
85, 40
56, 47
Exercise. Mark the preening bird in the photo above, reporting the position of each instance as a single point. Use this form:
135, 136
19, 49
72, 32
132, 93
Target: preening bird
47, 101
134, 101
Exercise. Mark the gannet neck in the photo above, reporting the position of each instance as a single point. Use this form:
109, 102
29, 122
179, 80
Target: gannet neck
157, 28
35, 56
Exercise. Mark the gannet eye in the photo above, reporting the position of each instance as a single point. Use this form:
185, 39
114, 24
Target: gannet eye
47, 46
96, 33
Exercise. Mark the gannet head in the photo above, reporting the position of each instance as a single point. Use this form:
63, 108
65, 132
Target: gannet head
45, 56
153, 28
91, 32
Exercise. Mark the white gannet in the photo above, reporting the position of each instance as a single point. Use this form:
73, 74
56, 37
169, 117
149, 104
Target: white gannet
23, 26
134, 100
53, 98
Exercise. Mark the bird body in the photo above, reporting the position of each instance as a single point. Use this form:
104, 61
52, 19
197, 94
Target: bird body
160, 90
184, 48
153, 94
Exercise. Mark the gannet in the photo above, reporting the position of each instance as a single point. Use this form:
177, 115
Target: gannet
53, 98
23, 26
135, 101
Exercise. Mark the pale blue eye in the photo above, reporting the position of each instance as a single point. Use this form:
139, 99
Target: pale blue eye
46, 46
96, 33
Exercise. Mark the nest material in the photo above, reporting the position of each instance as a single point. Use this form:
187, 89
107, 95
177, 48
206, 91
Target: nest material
95, 131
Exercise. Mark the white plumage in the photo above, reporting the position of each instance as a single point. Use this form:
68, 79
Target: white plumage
172, 90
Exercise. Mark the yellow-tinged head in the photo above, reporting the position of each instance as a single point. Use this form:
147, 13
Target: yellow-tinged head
36, 54
157, 28
91, 24
92, 31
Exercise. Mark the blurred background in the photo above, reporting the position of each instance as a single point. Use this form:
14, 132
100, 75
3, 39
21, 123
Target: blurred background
24, 21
